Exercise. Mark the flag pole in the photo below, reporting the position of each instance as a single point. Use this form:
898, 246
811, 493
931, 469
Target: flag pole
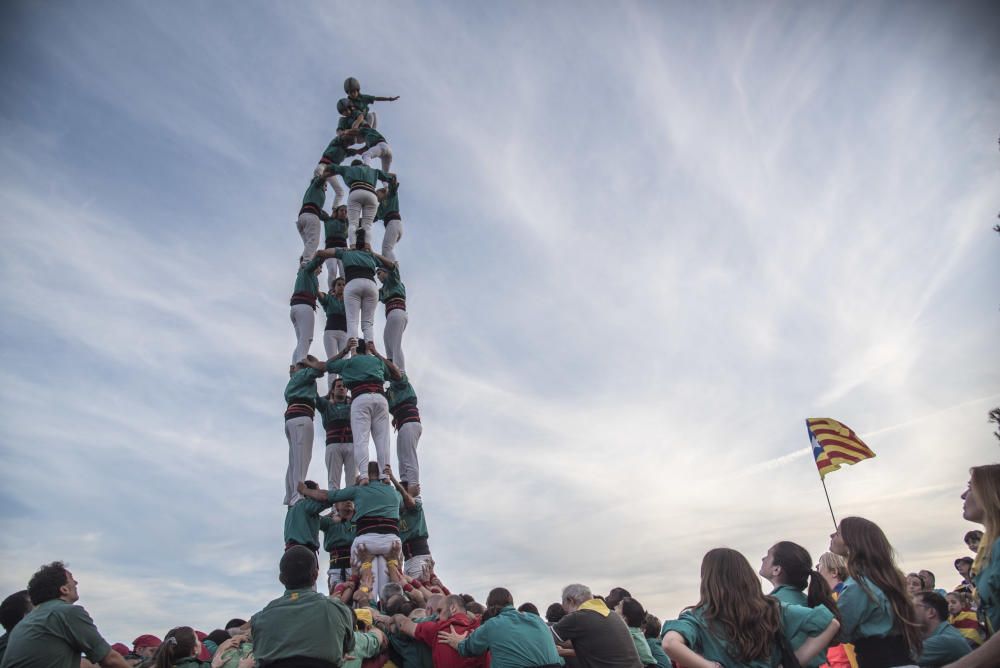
828, 504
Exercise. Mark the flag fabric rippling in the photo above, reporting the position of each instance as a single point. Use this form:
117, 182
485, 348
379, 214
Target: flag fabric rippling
834, 444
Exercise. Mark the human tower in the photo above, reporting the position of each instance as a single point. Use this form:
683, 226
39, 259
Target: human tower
368, 393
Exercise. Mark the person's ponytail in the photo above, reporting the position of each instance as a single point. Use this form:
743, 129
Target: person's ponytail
179, 643
819, 593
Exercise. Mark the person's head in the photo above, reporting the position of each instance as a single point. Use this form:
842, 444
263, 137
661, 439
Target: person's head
360, 240
352, 86
412, 488
343, 106
731, 600
14, 608
452, 605
575, 595
179, 643
381, 274
381, 193
929, 580
787, 563
498, 599
345, 509
391, 589
973, 538
529, 608
833, 568
956, 604
339, 390
235, 623
52, 581
338, 288
870, 557
964, 567
554, 613
651, 626
373, 472
616, 596
145, 646
914, 583
932, 609
218, 636
340, 213
436, 604
355, 163
361, 347
982, 505
298, 568
632, 612
399, 604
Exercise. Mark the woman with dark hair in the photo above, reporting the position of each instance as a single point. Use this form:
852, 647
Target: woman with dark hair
512, 638
788, 566
982, 505
734, 623
180, 648
877, 614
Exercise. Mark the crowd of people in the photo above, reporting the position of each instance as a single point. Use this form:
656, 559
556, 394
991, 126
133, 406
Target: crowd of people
383, 602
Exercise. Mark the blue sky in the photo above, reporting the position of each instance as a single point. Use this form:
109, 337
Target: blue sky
643, 242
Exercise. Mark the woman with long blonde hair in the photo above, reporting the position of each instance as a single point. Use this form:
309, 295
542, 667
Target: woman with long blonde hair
877, 614
982, 505
734, 623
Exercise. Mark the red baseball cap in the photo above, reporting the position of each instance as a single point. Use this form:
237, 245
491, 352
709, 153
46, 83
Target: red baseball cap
121, 648
146, 640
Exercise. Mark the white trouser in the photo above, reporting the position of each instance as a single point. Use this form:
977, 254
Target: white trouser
309, 226
303, 321
340, 456
392, 336
372, 120
334, 270
381, 151
407, 439
360, 299
378, 545
334, 576
362, 205
299, 431
393, 233
370, 416
334, 340
335, 183
414, 566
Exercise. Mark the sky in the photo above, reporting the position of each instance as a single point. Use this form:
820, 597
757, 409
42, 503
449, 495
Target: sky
643, 242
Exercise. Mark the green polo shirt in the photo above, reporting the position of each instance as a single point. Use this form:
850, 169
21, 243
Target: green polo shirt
361, 102
514, 640
400, 392
359, 369
796, 620
346, 122
790, 595
331, 411
366, 646
376, 499
301, 386
987, 582
861, 616
641, 646
53, 635
412, 523
944, 645
335, 228
353, 257
413, 652
331, 305
315, 193
306, 280
390, 204
336, 151
656, 649
336, 534
393, 287
362, 173
371, 136
302, 522
302, 623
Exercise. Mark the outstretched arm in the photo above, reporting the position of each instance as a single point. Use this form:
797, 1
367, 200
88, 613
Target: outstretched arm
408, 500
386, 99
394, 371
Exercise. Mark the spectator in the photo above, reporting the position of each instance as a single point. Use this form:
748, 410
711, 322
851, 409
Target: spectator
237, 652
554, 613
453, 617
145, 646
833, 569
982, 505
56, 632
915, 584
598, 638
180, 648
616, 596
12, 610
735, 623
930, 582
302, 627
529, 608
513, 639
964, 618
972, 539
942, 643
634, 615
964, 567
651, 630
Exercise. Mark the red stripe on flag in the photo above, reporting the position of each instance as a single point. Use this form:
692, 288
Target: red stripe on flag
860, 450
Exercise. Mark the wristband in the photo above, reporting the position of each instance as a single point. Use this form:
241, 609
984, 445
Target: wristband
407, 587
365, 565
392, 562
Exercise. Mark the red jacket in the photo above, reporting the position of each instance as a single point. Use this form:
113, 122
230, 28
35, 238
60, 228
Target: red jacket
442, 654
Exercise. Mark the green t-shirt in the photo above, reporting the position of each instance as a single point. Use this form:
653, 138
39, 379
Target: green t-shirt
335, 228
514, 640
413, 653
337, 534
361, 102
376, 499
789, 594
331, 305
366, 645
302, 623
353, 257
656, 649
987, 582
412, 523
53, 635
336, 151
302, 522
400, 392
944, 645
315, 193
390, 204
393, 287
861, 616
370, 136
301, 386
306, 280
331, 411
359, 369
641, 646
360, 173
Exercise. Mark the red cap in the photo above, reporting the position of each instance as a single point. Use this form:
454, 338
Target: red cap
204, 654
121, 648
146, 641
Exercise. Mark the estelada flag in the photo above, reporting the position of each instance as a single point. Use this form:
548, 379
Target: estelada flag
834, 444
